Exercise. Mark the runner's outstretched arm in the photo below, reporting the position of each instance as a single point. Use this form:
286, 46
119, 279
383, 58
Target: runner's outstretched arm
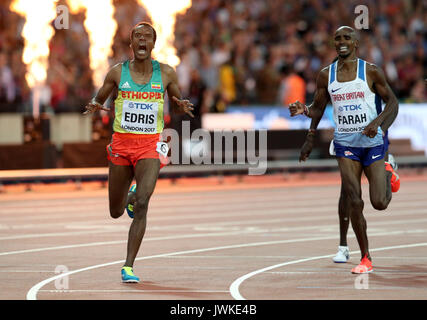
109, 84
314, 111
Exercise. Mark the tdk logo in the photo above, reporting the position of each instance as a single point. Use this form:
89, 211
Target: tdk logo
141, 106
350, 107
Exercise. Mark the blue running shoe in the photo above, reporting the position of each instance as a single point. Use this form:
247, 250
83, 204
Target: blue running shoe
128, 276
129, 207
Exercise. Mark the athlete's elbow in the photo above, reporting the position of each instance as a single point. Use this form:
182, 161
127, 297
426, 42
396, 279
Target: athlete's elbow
394, 103
396, 109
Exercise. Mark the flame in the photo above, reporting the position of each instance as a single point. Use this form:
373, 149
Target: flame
163, 15
101, 28
37, 33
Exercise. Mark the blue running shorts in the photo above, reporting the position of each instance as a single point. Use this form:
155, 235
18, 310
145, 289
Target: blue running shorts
366, 156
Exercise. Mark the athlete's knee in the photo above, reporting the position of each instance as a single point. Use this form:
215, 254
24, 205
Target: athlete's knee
141, 205
356, 204
140, 209
116, 213
380, 204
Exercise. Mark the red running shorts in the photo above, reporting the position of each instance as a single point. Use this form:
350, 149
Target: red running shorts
126, 149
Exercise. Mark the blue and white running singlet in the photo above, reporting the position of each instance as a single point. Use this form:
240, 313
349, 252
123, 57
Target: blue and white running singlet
355, 106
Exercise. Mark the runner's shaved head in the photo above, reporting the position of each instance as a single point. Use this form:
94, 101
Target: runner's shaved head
350, 30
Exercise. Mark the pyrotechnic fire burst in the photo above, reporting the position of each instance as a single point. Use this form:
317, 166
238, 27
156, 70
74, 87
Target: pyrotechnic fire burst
163, 16
101, 28
37, 32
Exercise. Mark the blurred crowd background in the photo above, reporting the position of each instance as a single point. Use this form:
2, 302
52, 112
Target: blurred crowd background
233, 52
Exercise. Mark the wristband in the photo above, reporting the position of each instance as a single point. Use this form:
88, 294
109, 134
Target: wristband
311, 132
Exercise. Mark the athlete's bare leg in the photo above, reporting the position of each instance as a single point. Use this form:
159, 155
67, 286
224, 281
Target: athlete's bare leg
351, 172
119, 180
379, 184
146, 174
379, 199
344, 217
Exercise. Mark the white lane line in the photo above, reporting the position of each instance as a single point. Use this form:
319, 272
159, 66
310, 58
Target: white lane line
370, 288
208, 211
227, 213
162, 205
202, 196
135, 291
154, 206
377, 271
32, 293
182, 226
269, 210
221, 232
57, 234
193, 225
95, 223
234, 287
62, 247
103, 243
120, 227
199, 196
26, 271
157, 203
248, 230
275, 220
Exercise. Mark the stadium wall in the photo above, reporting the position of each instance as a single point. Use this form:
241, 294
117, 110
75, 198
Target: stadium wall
67, 140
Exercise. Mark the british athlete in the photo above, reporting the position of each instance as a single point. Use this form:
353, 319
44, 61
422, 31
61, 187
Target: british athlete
355, 89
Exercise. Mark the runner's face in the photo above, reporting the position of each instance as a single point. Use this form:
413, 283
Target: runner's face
142, 42
345, 42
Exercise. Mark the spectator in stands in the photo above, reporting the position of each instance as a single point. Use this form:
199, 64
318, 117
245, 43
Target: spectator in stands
292, 86
267, 83
7, 85
297, 33
227, 86
418, 92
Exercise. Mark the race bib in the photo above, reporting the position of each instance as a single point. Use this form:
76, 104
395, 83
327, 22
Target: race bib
351, 119
162, 148
140, 117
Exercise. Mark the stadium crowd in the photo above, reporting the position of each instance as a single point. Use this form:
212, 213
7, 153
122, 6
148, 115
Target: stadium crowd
240, 52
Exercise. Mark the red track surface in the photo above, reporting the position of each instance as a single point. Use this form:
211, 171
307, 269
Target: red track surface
269, 237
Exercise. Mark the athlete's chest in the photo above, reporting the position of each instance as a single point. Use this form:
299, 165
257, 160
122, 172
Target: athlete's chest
149, 79
349, 78
346, 75
140, 78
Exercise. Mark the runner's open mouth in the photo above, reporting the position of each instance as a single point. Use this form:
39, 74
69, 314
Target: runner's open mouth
142, 49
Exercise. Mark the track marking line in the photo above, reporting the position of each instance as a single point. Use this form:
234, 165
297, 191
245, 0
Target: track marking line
32, 293
370, 288
249, 231
278, 211
135, 291
234, 287
103, 243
